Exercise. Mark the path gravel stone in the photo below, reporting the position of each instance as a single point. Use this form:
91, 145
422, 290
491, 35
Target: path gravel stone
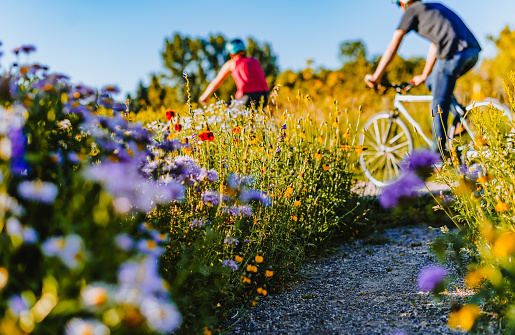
361, 289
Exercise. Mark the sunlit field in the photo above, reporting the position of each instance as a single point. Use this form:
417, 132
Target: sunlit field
157, 215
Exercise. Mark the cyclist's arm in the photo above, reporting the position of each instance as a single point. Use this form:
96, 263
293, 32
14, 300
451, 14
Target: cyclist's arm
388, 56
225, 71
430, 62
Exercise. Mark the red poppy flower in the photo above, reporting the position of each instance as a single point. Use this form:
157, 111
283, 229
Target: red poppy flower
177, 127
236, 129
210, 136
207, 136
169, 115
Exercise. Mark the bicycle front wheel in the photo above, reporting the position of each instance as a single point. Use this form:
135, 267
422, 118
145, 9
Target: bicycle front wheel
386, 140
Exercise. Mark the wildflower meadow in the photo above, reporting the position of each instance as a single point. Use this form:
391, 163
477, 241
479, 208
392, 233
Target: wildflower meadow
176, 217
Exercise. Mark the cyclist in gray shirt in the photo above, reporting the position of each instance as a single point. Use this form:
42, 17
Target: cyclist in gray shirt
454, 51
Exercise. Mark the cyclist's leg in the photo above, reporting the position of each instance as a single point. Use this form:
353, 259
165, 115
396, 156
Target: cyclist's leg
442, 85
257, 99
469, 58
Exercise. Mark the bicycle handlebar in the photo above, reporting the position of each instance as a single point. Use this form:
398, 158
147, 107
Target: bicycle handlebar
399, 88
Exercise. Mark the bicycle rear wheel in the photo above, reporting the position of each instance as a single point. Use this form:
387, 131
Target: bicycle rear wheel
387, 140
462, 131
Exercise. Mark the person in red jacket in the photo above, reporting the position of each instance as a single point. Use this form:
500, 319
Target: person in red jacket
252, 88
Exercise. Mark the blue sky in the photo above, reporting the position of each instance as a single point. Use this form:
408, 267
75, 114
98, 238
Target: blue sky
120, 42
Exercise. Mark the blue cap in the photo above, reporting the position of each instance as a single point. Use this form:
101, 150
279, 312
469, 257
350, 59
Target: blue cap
235, 46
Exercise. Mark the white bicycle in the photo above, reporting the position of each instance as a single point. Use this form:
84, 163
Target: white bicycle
387, 138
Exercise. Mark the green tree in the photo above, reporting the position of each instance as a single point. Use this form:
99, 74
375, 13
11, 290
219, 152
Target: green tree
351, 51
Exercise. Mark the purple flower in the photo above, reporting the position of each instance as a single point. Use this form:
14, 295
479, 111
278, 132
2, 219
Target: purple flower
81, 326
240, 210
82, 91
110, 89
142, 275
28, 48
473, 171
30, 236
73, 157
150, 247
230, 264
18, 304
235, 181
430, 276
161, 316
249, 195
212, 198
405, 187
212, 175
421, 162
124, 242
231, 241
56, 157
18, 141
196, 223
38, 191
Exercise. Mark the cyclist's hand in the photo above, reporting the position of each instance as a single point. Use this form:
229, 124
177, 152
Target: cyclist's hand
369, 79
418, 80
203, 99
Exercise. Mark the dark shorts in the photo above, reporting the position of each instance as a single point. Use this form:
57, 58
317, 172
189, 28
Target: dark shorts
255, 99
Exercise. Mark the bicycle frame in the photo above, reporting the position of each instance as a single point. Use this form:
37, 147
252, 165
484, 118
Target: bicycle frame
400, 98
397, 104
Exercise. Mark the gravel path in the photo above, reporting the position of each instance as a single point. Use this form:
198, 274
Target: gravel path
361, 289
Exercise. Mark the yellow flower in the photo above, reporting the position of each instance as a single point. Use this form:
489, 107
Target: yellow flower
294, 218
251, 268
320, 139
288, 192
504, 245
238, 258
207, 331
325, 167
259, 259
502, 207
303, 134
347, 135
264, 292
464, 318
259, 290
475, 277
359, 150
336, 124
4, 276
269, 273
484, 179
318, 155
480, 142
296, 203
254, 303
346, 147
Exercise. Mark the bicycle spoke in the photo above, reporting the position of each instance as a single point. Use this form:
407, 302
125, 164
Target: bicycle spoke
388, 130
378, 135
386, 172
398, 146
371, 142
377, 165
395, 165
371, 160
395, 138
